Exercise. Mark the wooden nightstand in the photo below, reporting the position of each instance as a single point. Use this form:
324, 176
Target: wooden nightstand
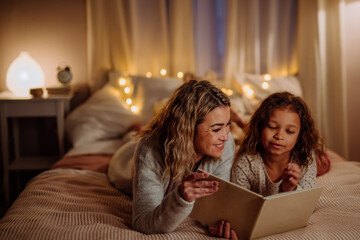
12, 108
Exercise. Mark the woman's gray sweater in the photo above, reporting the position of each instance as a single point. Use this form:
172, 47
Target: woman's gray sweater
153, 212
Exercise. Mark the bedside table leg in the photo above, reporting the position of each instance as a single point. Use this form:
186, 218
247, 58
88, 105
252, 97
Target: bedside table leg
16, 135
5, 153
60, 126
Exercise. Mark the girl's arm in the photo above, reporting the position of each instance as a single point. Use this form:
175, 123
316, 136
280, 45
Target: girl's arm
308, 176
295, 178
290, 178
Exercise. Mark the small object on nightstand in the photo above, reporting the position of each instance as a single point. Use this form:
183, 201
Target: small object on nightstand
64, 75
36, 92
65, 90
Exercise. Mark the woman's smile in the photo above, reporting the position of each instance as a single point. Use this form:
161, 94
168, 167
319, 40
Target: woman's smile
212, 133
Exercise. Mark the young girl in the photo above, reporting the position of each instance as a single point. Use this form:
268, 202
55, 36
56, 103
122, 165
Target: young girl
279, 150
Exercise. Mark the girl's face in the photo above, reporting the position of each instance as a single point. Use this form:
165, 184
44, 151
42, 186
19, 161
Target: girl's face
280, 134
212, 133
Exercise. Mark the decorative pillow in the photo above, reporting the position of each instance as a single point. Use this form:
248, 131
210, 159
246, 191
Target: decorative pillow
103, 116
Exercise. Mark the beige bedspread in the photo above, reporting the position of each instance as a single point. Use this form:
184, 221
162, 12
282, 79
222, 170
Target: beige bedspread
81, 204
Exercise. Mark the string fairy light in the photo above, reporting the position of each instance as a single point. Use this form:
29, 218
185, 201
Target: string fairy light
265, 85
180, 74
134, 109
248, 91
163, 72
267, 77
228, 92
127, 90
122, 81
125, 86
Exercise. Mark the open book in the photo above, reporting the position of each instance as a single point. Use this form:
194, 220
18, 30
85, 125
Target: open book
250, 214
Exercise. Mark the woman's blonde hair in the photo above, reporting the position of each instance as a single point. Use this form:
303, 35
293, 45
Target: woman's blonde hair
175, 125
308, 140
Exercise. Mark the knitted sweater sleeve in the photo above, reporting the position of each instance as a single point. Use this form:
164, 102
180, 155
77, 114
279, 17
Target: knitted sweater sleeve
152, 212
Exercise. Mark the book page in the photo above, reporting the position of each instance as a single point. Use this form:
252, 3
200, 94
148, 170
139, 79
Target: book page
232, 203
286, 211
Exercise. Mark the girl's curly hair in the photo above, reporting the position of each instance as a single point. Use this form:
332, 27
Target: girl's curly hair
175, 126
308, 139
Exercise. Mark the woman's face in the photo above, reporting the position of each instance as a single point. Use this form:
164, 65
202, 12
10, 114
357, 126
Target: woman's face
212, 133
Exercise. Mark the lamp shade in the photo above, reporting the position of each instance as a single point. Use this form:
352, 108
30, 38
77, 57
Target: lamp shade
24, 73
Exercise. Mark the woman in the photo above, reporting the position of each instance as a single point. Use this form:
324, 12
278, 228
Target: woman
191, 132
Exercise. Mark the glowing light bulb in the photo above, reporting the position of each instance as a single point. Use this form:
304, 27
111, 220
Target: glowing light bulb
134, 109
24, 73
122, 81
180, 74
248, 91
128, 101
267, 77
127, 90
24, 76
229, 92
163, 72
148, 74
265, 85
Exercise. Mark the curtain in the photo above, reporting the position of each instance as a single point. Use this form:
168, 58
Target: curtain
210, 24
321, 68
182, 53
139, 36
261, 38
107, 24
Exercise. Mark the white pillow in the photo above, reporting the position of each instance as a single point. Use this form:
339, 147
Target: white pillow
103, 116
278, 84
147, 92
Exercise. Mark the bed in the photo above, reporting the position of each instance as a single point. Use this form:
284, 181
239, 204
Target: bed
75, 199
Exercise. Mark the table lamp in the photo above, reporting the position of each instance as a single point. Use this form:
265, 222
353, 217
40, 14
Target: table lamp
23, 74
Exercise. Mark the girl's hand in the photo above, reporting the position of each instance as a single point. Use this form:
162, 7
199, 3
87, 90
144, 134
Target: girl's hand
194, 186
222, 229
291, 177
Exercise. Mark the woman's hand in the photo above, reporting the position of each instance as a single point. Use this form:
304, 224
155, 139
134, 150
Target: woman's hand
194, 186
222, 229
291, 177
